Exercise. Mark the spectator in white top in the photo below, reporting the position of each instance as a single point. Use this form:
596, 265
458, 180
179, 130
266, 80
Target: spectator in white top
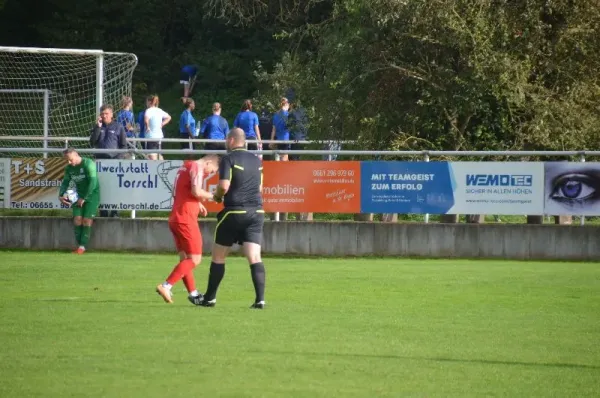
155, 119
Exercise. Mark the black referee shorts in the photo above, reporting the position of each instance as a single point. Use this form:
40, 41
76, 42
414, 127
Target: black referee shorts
239, 226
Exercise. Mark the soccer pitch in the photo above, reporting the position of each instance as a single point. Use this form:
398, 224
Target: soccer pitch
93, 326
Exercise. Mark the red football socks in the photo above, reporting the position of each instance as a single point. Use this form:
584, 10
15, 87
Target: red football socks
189, 281
183, 269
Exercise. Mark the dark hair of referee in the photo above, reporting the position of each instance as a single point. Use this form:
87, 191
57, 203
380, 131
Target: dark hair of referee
241, 221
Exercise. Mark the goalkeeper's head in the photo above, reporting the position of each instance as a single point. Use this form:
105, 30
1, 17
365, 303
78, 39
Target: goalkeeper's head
72, 156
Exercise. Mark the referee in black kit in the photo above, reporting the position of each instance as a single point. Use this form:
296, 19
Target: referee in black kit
242, 219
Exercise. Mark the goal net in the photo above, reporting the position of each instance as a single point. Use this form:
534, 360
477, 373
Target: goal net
46, 94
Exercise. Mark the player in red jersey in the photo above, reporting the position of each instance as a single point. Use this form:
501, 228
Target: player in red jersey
183, 223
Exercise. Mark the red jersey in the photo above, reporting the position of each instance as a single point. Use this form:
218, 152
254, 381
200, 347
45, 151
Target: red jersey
186, 206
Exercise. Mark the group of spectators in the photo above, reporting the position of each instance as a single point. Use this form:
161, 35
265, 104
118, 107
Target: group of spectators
288, 123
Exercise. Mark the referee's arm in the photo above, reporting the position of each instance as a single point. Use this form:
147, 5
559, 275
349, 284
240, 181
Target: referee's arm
225, 170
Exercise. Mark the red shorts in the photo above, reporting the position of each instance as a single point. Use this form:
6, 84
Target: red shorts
187, 237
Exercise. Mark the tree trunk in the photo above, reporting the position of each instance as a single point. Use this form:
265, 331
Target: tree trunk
449, 218
563, 220
363, 217
475, 218
389, 217
304, 216
535, 219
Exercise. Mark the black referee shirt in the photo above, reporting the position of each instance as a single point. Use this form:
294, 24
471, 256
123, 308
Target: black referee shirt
244, 171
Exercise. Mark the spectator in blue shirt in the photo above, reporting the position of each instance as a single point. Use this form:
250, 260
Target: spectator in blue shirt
298, 125
215, 127
266, 125
187, 124
248, 121
280, 131
125, 117
142, 123
188, 78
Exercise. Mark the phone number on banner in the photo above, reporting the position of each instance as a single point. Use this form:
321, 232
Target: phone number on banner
38, 205
333, 173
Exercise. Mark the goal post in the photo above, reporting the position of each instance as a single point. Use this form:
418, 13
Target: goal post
65, 87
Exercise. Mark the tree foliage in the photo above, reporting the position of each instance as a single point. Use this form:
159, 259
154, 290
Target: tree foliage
451, 74
404, 74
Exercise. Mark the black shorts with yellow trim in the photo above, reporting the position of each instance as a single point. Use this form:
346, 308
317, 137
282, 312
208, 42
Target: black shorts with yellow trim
239, 226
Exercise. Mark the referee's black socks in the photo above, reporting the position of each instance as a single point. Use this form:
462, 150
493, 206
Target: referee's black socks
217, 271
257, 270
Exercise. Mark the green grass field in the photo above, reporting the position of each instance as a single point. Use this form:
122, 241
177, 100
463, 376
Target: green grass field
92, 326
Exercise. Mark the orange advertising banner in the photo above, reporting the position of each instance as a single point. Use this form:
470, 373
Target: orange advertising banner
306, 187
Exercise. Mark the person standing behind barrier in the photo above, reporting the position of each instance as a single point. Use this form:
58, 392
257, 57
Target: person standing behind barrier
187, 124
108, 134
265, 127
248, 121
280, 131
332, 146
215, 127
298, 122
125, 116
155, 119
142, 123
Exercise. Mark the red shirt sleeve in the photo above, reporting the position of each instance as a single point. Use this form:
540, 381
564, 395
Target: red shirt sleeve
195, 175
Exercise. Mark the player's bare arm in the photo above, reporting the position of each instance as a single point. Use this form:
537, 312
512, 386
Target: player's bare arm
196, 176
222, 189
272, 145
200, 193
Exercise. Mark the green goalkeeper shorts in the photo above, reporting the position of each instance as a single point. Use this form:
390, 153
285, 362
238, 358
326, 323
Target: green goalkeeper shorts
89, 209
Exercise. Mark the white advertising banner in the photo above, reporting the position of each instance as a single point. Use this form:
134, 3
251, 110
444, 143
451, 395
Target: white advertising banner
512, 188
5, 183
138, 184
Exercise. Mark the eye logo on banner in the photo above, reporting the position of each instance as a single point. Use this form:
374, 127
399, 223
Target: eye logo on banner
572, 188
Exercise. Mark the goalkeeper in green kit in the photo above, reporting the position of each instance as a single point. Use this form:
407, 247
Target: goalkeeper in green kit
82, 172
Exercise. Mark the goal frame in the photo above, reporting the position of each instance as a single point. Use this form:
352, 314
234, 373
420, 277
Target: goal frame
46, 109
99, 63
99, 55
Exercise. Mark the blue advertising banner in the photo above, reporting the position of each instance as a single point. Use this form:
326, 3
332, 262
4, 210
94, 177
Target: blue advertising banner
406, 187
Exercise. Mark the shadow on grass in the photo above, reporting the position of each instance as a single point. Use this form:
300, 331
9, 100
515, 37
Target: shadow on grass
433, 359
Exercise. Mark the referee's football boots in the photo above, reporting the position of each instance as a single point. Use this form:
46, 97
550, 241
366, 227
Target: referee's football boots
208, 303
196, 300
258, 306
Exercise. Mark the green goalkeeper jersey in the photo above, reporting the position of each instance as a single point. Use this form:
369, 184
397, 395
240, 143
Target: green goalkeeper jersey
85, 178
